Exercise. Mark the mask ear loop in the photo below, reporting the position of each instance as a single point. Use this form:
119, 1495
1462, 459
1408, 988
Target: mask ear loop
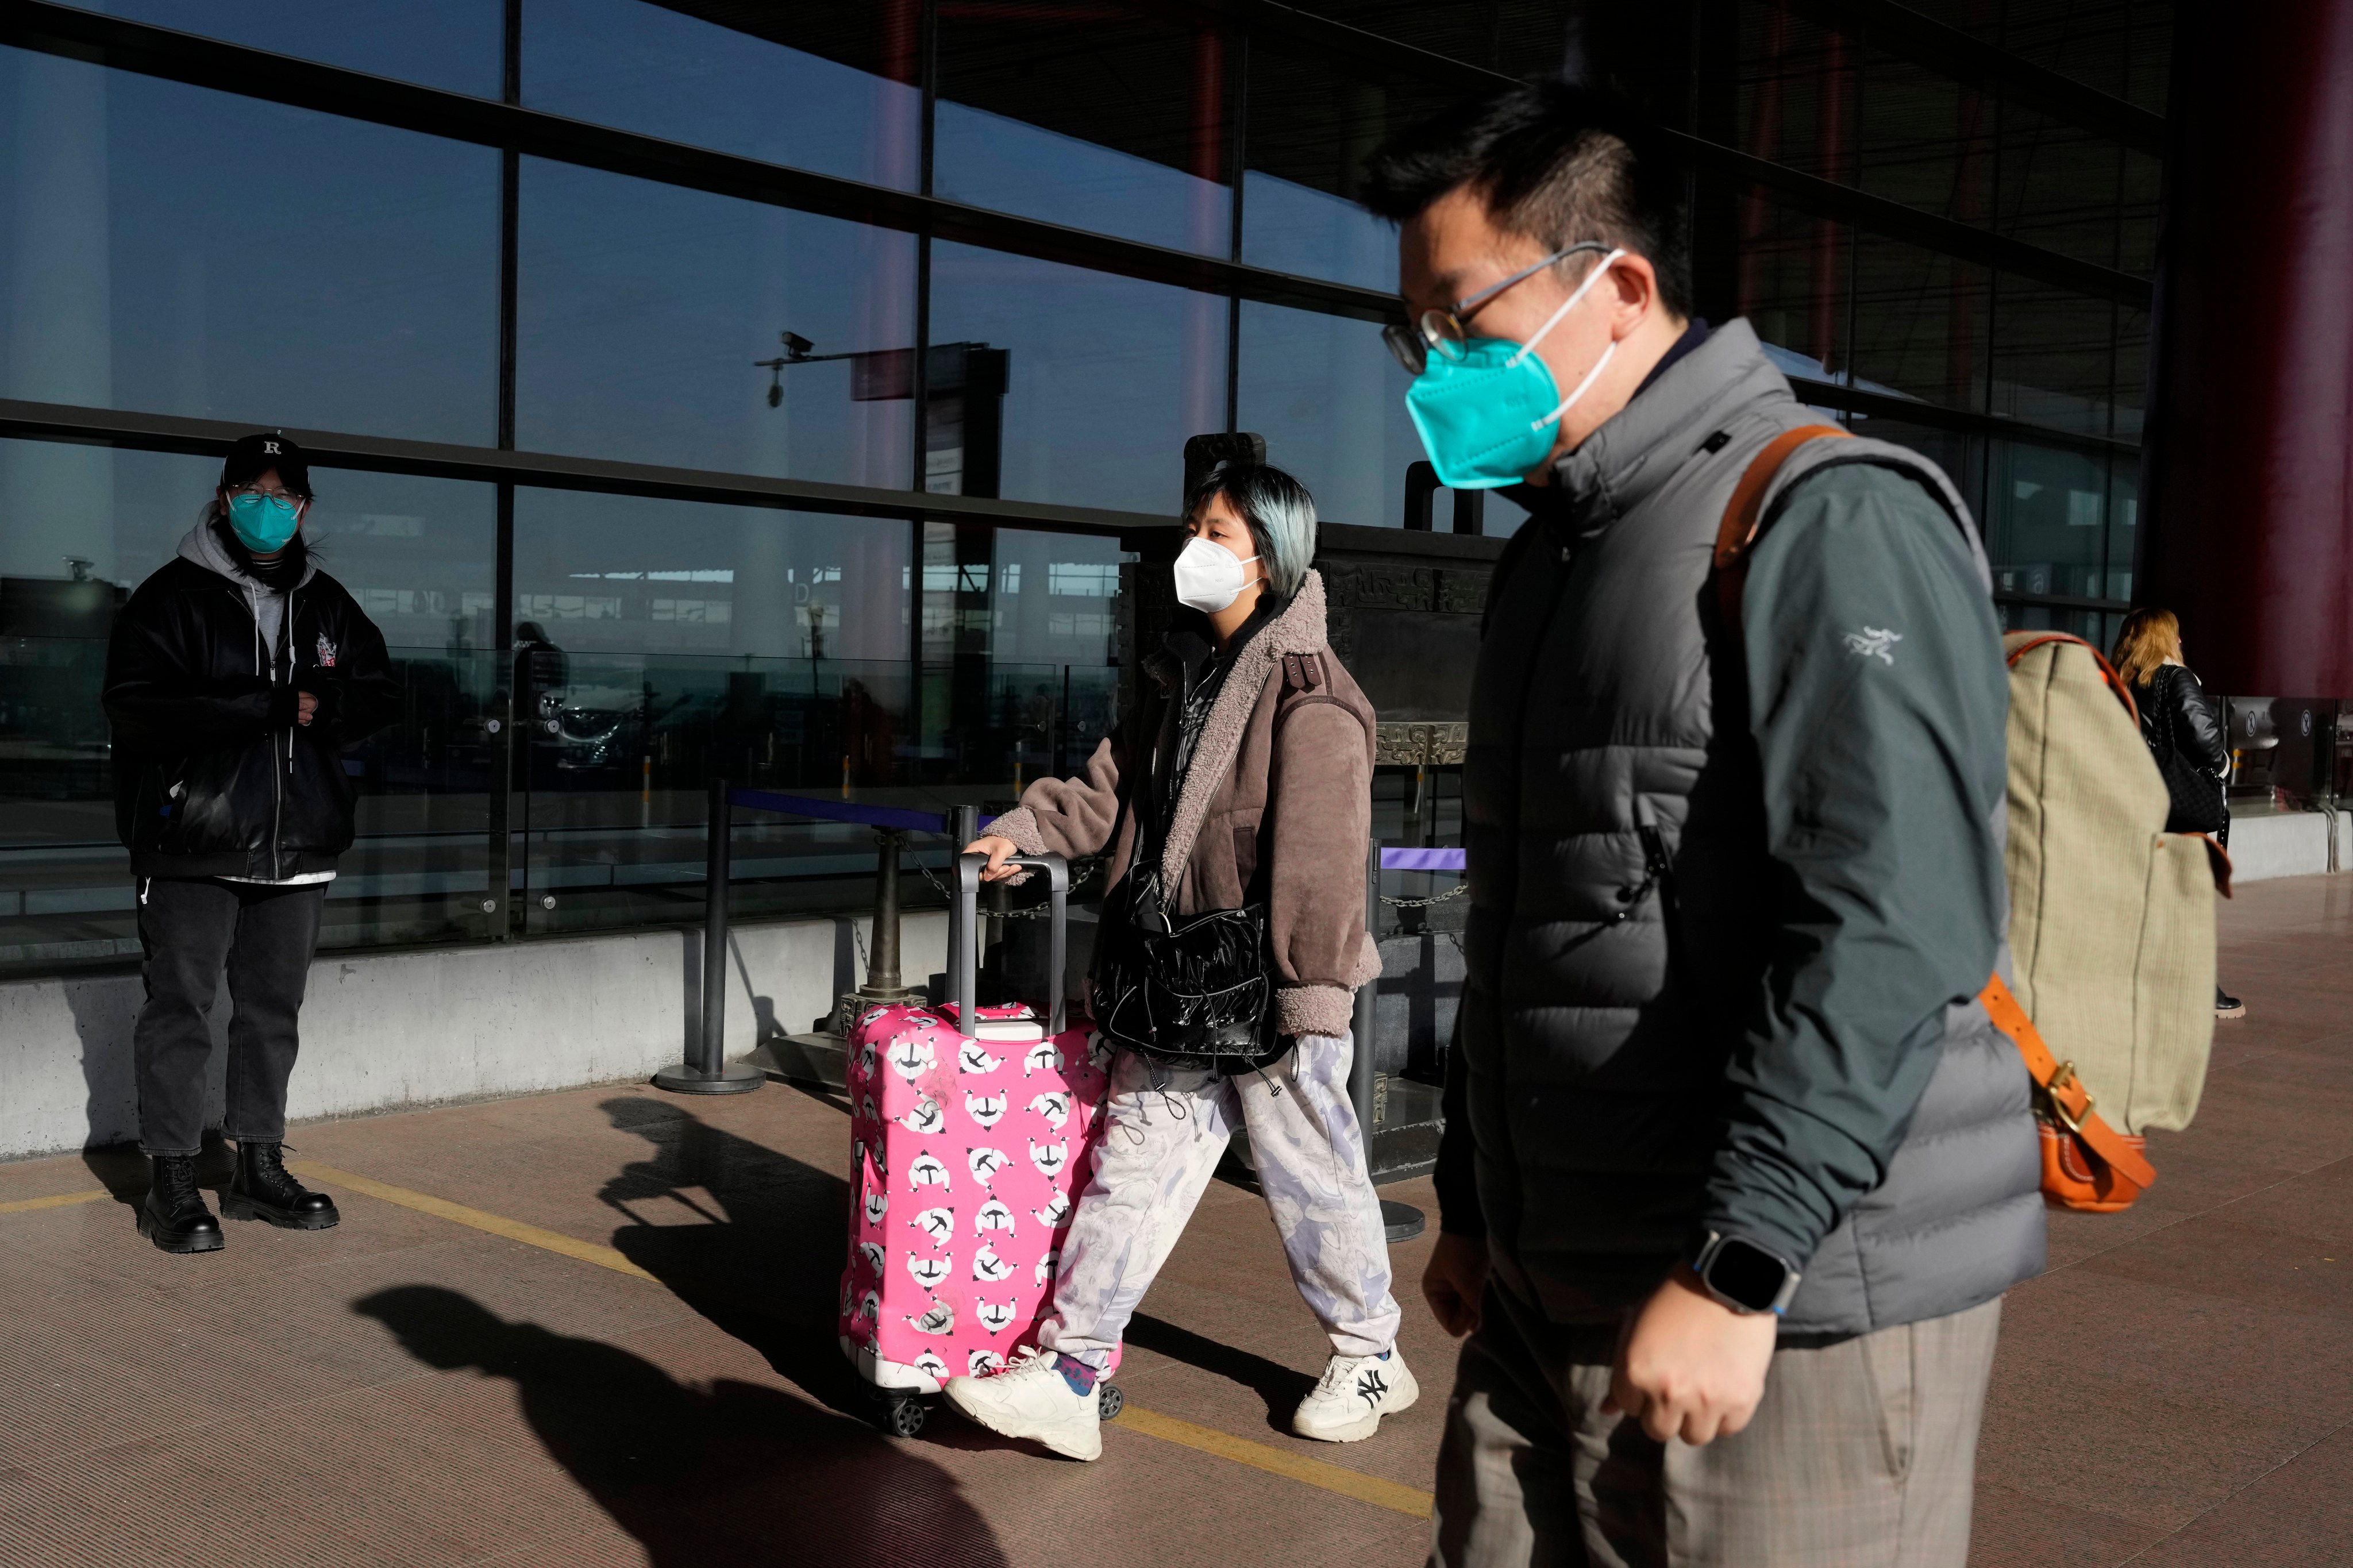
1571, 401
1566, 306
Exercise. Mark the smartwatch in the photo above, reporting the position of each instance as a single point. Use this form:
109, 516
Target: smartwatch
1744, 1276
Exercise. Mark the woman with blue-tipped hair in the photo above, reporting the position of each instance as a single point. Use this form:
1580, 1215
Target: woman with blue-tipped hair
1234, 808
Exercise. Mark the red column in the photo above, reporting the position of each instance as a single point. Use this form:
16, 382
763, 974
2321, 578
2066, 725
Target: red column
2248, 473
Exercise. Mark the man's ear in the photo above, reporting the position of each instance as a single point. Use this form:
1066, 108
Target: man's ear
1633, 291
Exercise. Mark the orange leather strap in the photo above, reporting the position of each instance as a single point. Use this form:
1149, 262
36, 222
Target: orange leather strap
1736, 535
2069, 1099
2107, 671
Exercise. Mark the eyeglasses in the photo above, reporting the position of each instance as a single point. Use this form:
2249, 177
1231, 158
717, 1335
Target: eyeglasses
283, 498
1447, 332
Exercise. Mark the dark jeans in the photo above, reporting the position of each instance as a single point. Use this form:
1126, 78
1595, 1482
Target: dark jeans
191, 932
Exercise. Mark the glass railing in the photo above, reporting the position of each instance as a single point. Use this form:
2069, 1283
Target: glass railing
621, 750
609, 757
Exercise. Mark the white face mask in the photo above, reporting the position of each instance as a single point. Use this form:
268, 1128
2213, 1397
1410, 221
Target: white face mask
1209, 575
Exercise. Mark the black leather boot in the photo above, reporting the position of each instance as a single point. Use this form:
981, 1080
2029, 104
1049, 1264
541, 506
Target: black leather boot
264, 1190
173, 1214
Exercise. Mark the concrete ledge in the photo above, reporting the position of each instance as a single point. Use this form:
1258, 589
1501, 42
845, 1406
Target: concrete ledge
2287, 844
387, 1031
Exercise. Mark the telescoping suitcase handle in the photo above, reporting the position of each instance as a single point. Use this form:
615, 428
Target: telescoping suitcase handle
964, 963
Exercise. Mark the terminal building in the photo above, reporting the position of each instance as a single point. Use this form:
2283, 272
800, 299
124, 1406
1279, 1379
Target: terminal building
800, 397
780, 393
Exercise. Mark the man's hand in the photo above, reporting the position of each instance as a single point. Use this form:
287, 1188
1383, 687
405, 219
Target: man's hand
305, 706
1690, 1366
1454, 1281
996, 849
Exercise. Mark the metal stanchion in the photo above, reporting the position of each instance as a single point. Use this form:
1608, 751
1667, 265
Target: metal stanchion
1401, 1221
884, 987
707, 1070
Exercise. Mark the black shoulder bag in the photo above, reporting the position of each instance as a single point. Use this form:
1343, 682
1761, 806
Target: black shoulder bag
2199, 805
1198, 994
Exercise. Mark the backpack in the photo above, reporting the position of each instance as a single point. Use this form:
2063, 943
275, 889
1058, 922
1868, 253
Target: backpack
2111, 918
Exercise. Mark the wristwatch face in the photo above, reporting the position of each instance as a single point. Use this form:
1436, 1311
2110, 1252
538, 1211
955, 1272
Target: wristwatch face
1747, 1274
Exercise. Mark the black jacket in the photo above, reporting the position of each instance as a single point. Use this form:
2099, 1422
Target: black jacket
212, 777
2175, 710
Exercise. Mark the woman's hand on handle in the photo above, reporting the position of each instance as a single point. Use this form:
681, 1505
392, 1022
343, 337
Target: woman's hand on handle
997, 851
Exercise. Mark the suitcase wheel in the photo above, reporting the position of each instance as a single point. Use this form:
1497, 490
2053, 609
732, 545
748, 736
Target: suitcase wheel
1110, 1401
901, 1417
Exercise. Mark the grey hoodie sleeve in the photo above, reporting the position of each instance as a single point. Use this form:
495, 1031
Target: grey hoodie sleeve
1879, 700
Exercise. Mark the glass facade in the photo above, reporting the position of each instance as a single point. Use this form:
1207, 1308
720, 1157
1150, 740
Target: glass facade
772, 406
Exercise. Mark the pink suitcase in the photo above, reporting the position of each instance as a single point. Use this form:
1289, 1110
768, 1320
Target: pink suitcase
967, 1152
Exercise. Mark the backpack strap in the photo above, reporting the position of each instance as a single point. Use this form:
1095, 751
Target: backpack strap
1743, 523
2070, 1101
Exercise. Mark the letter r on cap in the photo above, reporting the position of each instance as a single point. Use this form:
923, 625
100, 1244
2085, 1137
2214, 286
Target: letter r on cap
270, 447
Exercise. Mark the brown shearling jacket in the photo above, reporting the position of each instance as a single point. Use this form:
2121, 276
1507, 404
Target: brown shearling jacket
1298, 792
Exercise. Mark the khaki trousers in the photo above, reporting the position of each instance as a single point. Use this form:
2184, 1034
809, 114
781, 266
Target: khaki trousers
1863, 1454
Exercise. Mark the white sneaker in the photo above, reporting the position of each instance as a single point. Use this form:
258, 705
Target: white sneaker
1355, 1392
1032, 1399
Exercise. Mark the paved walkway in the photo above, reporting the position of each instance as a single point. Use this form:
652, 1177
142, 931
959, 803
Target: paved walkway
596, 1327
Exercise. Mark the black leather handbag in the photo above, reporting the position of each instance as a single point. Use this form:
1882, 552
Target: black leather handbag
1195, 994
2200, 803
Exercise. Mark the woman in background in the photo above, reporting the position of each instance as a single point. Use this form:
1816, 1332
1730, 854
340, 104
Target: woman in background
2183, 731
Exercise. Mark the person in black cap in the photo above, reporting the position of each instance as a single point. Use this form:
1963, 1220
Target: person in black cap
237, 676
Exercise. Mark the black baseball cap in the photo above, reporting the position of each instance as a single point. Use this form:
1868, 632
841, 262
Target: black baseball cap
250, 457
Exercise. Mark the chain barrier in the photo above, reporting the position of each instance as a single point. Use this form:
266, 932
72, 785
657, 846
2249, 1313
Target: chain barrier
1079, 878
1454, 892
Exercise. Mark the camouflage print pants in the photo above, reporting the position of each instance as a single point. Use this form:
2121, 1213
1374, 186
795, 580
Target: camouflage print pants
1165, 1133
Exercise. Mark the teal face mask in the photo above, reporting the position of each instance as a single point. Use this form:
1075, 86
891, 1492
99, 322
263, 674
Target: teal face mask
1487, 419
263, 523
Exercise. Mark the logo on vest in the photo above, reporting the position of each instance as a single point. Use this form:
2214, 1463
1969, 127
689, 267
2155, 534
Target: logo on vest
1873, 643
326, 652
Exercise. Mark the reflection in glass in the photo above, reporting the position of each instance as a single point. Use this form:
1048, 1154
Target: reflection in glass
1919, 324
1299, 230
85, 526
1118, 125
2053, 357
1311, 123
2045, 510
660, 642
1015, 621
659, 324
198, 253
828, 88
1106, 379
622, 573
1330, 401
451, 43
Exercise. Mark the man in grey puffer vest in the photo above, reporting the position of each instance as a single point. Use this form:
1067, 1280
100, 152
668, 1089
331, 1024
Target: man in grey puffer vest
1735, 1169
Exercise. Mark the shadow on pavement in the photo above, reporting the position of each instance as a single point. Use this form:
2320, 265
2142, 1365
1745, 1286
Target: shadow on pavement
755, 1241
734, 1474
1281, 1386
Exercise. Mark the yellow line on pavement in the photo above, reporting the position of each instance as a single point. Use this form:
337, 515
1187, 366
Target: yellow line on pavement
1151, 1424
1277, 1462
62, 1200
459, 1214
